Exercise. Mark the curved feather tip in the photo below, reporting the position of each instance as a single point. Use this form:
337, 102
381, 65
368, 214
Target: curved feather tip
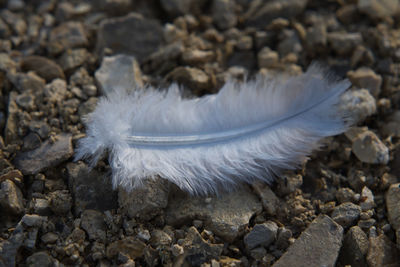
248, 131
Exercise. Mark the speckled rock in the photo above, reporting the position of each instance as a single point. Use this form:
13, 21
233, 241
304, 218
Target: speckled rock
366, 78
393, 208
382, 252
359, 103
73, 58
355, 248
318, 245
93, 223
60, 202
346, 214
68, 35
193, 78
268, 198
11, 128
367, 199
369, 148
41, 259
261, 234
11, 199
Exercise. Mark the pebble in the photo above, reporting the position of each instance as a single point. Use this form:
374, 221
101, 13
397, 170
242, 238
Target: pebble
195, 56
223, 14
318, 245
73, 58
120, 72
175, 8
355, 248
159, 238
369, 148
289, 183
378, 9
193, 78
41, 206
367, 199
382, 252
366, 78
345, 195
346, 214
267, 58
90, 188
393, 208
41, 259
227, 216
60, 202
268, 198
27, 82
145, 202
366, 224
11, 127
44, 67
47, 155
11, 199
56, 91
124, 35
344, 43
70, 34
261, 234
284, 236
92, 221
49, 238
129, 246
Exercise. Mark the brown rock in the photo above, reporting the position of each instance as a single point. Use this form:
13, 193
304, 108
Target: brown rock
193, 78
68, 35
366, 78
43, 67
382, 252
128, 246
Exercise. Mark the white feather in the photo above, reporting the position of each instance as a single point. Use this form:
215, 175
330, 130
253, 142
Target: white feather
250, 130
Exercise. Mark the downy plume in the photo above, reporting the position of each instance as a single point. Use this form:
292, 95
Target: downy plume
247, 131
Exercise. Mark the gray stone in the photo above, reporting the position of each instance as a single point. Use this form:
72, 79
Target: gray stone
197, 57
366, 78
6, 63
49, 238
355, 248
226, 215
369, 148
316, 37
120, 72
290, 43
92, 221
44, 67
73, 58
344, 43
392, 125
318, 245
27, 82
260, 13
124, 35
41, 206
11, 129
128, 246
26, 101
244, 42
345, 194
193, 78
378, 9
145, 202
223, 13
40, 127
382, 252
60, 202
283, 239
261, 235
68, 35
90, 189
346, 214
40, 259
56, 91
289, 183
366, 224
359, 103
47, 155
87, 107
393, 208
367, 199
175, 8
11, 199
267, 58
160, 238
268, 198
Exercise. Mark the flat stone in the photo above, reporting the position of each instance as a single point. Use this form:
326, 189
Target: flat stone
376, 9
47, 155
11, 199
268, 198
226, 215
129, 246
40, 259
346, 214
92, 221
70, 34
49, 238
124, 35
359, 103
193, 78
145, 202
120, 72
44, 67
318, 245
344, 43
366, 78
369, 148
382, 252
196, 57
223, 13
355, 248
261, 234
90, 189
393, 208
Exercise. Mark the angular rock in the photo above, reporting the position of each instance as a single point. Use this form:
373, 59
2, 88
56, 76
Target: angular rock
227, 216
55, 91
289, 183
160, 238
366, 78
11, 199
41, 259
359, 103
90, 189
193, 78
128, 246
223, 13
345, 195
393, 208
369, 149
355, 248
93, 223
27, 82
344, 43
145, 202
382, 252
367, 199
44, 67
11, 129
260, 13
120, 72
73, 58
267, 58
261, 234
68, 35
6, 63
125, 35
290, 43
197, 57
283, 239
318, 245
378, 9
47, 155
41, 206
268, 198
175, 8
60, 202
346, 214
392, 125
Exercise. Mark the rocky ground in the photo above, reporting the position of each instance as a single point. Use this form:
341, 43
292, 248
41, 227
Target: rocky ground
58, 57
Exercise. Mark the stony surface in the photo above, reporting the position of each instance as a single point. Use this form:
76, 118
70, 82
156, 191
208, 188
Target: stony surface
366, 78
261, 234
370, 149
44, 67
392, 205
382, 252
346, 214
355, 248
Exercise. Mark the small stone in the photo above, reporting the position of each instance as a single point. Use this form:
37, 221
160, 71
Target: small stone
6, 63
283, 240
261, 234
32, 220
44, 67
160, 238
144, 235
382, 252
124, 35
366, 224
40, 127
68, 35
290, 43
268, 198
41, 206
60, 202
378, 9
49, 238
87, 107
193, 78
27, 82
244, 42
393, 208
366, 78
47, 155
177, 250
344, 43
120, 72
41, 259
93, 223
145, 202
11, 129
26, 101
56, 91
346, 214
392, 125
355, 248
267, 58
129, 246
316, 37
367, 199
345, 195
175, 8
195, 57
73, 58
223, 13
318, 245
369, 149
289, 183
258, 253
90, 188
11, 198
